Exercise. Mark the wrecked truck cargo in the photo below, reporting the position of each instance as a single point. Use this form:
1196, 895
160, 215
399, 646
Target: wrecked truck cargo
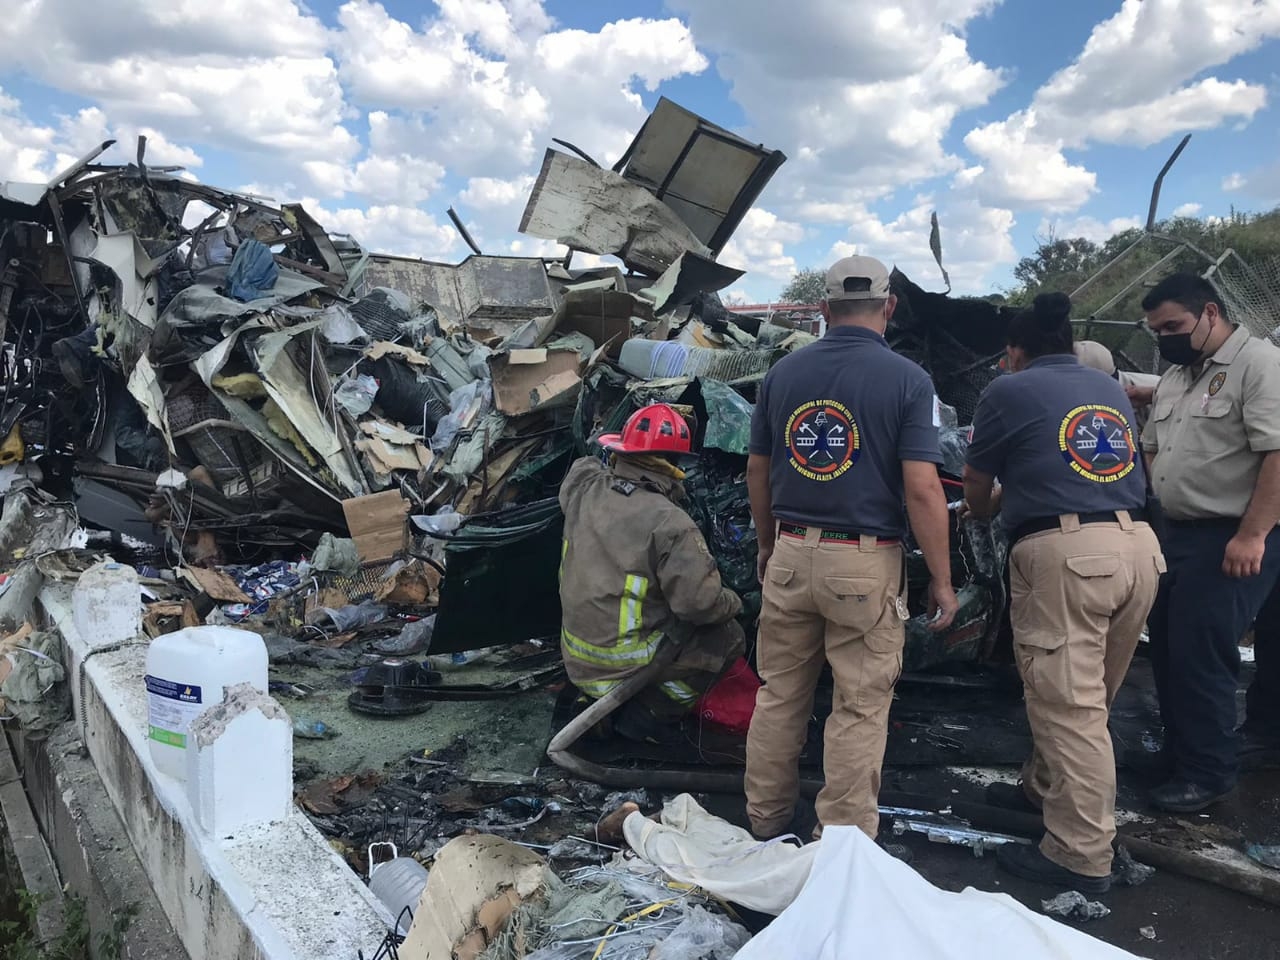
491, 548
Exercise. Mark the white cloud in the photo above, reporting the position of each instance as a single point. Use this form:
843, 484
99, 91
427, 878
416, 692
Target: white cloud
975, 242
90, 127
42, 35
1090, 228
25, 147
1172, 40
1187, 210
488, 193
470, 110
1020, 169
1233, 181
760, 245
860, 95
249, 75
1136, 82
396, 230
34, 153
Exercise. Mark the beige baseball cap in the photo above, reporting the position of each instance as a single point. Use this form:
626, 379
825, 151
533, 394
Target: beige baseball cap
1093, 354
857, 278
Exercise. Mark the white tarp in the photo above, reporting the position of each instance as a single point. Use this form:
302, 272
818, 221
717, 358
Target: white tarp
692, 846
862, 903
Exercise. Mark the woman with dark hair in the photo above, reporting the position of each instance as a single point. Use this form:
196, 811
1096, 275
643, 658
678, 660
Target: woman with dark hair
1083, 571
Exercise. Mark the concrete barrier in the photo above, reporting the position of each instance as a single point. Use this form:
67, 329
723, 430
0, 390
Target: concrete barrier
269, 891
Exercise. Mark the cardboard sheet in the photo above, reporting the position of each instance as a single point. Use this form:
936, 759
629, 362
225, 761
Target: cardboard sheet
378, 525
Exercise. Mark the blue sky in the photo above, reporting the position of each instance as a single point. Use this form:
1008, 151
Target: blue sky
1010, 119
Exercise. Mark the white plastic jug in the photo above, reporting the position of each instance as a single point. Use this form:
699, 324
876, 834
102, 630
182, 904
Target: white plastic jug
106, 605
398, 884
186, 674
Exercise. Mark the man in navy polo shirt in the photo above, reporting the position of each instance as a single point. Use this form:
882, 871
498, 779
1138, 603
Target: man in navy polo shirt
843, 431
1083, 569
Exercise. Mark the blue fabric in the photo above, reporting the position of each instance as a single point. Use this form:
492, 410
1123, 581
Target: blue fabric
1195, 655
253, 271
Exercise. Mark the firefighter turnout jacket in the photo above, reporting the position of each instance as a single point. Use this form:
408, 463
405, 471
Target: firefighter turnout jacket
634, 569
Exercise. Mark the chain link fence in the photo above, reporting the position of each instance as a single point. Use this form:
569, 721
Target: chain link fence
1252, 294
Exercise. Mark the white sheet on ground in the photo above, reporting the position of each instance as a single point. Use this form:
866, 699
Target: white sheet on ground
862, 903
693, 846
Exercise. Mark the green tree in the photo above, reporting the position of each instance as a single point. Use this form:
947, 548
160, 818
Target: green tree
1057, 264
806, 286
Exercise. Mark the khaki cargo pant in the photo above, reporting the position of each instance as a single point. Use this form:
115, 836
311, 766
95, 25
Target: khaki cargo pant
825, 602
1079, 598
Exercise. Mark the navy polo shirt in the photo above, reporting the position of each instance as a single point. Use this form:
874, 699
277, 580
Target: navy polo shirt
1060, 438
836, 419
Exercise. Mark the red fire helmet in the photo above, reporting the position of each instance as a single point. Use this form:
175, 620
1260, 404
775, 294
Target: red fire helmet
657, 428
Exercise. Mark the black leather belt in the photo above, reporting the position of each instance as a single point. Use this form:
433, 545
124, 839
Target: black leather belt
830, 536
1041, 524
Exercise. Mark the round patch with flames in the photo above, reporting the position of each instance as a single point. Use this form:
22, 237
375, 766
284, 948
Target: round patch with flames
823, 439
1097, 443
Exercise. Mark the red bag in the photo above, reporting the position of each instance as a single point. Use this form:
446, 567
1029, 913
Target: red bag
730, 703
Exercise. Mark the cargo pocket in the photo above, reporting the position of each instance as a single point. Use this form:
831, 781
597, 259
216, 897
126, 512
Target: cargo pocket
779, 584
881, 665
1045, 664
854, 602
1095, 592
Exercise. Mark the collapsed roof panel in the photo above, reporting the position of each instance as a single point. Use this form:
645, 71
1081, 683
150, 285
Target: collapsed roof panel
707, 175
494, 295
598, 211
424, 282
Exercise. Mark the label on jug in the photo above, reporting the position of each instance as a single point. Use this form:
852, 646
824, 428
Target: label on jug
171, 707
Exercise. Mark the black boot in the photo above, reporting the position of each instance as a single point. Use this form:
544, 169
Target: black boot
634, 721
1183, 796
1025, 861
1010, 796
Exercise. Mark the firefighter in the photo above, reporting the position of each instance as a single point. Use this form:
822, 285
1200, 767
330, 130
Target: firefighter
636, 573
843, 432
1083, 569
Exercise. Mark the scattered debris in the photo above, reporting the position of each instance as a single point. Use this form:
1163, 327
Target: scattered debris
945, 829
1074, 905
1268, 856
1127, 872
1147, 933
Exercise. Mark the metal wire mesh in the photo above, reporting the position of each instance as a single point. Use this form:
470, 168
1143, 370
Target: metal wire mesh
1252, 294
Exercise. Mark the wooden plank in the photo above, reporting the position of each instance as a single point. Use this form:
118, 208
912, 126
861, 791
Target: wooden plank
1224, 866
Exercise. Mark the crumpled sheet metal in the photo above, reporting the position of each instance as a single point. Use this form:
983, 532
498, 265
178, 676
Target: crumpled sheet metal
598, 211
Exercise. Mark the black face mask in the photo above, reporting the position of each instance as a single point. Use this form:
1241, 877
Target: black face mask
1177, 347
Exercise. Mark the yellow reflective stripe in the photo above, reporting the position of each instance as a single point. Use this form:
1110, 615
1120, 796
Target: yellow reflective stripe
629, 654
681, 693
631, 608
596, 688
564, 549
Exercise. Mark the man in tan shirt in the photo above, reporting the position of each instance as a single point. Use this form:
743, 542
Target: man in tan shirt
1213, 449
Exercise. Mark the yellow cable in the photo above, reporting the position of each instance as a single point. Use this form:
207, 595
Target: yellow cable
652, 908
